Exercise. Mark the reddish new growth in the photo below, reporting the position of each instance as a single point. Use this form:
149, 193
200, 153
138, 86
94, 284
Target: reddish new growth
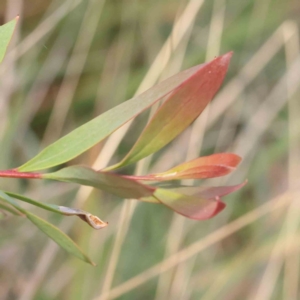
16, 174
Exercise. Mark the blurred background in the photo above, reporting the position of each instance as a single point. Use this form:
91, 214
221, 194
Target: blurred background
71, 60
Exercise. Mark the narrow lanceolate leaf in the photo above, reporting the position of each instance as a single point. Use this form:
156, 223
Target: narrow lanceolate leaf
203, 167
6, 32
90, 219
58, 236
199, 203
46, 206
10, 200
53, 232
179, 109
111, 183
94, 131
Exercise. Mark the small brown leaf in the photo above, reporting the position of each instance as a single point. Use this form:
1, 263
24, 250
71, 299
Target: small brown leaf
92, 220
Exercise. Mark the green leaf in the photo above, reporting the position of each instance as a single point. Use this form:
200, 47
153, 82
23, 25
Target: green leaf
53, 232
179, 109
58, 237
109, 182
10, 200
49, 207
6, 32
94, 131
94, 221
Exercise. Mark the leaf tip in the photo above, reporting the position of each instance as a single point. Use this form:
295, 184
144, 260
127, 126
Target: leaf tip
244, 183
225, 58
219, 207
208, 212
228, 54
93, 221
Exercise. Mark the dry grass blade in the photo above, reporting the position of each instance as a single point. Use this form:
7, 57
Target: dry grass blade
168, 287
73, 71
251, 250
272, 271
269, 109
44, 27
185, 254
180, 28
107, 152
247, 74
291, 266
126, 214
46, 78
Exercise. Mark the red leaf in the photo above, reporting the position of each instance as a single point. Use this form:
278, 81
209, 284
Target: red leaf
199, 203
210, 192
180, 108
189, 206
215, 165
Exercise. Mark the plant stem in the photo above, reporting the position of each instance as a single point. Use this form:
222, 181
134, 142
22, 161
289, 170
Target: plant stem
16, 174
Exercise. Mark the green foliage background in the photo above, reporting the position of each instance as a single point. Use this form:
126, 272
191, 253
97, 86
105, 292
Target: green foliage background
70, 61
